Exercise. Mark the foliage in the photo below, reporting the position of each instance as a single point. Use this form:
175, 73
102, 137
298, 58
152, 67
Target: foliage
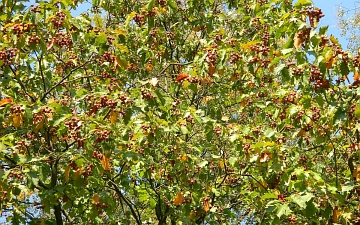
348, 22
176, 112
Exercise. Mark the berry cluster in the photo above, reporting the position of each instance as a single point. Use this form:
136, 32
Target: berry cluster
34, 39
22, 146
35, 8
324, 41
298, 71
139, 19
234, 57
58, 20
62, 39
290, 98
4, 198
103, 102
7, 56
132, 67
211, 56
281, 140
17, 109
162, 3
16, 175
108, 57
102, 135
317, 77
218, 38
21, 28
351, 111
315, 113
299, 115
356, 60
217, 130
314, 15
145, 94
260, 49
73, 126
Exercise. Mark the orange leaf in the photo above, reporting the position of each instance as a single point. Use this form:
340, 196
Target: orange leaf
211, 69
206, 205
181, 77
105, 163
67, 173
357, 76
149, 67
178, 198
5, 101
113, 116
301, 133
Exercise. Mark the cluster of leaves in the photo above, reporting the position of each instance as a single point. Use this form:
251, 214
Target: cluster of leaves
176, 112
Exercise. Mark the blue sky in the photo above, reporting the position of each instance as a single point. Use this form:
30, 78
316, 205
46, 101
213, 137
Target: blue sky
329, 8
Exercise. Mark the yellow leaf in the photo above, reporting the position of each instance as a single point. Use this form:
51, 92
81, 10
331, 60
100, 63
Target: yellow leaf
121, 32
186, 84
95, 199
334, 40
67, 173
178, 199
336, 215
356, 173
249, 44
105, 163
149, 67
197, 28
77, 173
206, 205
222, 164
39, 126
297, 41
121, 62
184, 158
277, 192
113, 116
5, 101
17, 119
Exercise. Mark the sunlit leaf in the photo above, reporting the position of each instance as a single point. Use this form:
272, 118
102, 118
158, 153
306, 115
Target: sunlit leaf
178, 199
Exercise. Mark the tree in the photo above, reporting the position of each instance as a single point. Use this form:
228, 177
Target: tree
176, 112
348, 21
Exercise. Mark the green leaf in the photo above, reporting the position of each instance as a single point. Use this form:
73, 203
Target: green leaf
269, 132
344, 69
301, 200
283, 210
303, 3
101, 38
184, 130
347, 186
269, 196
232, 161
150, 5
203, 163
172, 4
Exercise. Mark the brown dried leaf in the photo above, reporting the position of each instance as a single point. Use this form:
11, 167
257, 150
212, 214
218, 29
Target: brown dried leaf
297, 41
95, 199
356, 173
211, 69
113, 116
17, 119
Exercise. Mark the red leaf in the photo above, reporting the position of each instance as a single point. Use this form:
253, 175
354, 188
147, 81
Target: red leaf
181, 77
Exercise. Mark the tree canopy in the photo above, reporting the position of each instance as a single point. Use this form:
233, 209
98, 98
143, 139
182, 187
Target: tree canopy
176, 112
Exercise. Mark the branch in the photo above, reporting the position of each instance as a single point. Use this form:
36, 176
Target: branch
63, 79
22, 85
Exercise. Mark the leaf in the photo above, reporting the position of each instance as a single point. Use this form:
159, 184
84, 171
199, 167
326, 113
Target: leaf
181, 77
105, 162
203, 163
283, 209
113, 116
154, 81
297, 41
178, 199
95, 199
232, 161
269, 195
302, 3
301, 200
265, 156
129, 18
334, 40
17, 119
149, 67
269, 132
172, 4
67, 173
120, 32
211, 69
5, 101
336, 215
206, 204
150, 5
39, 125
356, 77
356, 173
